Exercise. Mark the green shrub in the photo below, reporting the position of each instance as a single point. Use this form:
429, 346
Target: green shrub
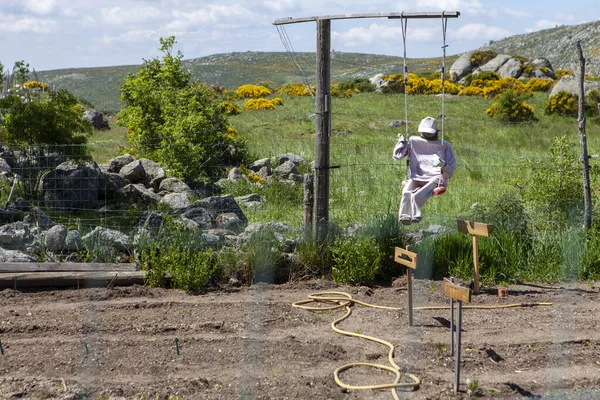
479, 58
511, 108
562, 103
362, 84
355, 261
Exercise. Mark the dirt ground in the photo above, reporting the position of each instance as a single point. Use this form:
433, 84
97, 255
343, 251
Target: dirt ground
250, 343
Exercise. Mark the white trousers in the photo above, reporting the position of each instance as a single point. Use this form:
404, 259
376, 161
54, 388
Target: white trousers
414, 195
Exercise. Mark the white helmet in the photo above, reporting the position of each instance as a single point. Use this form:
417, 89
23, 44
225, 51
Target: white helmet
428, 127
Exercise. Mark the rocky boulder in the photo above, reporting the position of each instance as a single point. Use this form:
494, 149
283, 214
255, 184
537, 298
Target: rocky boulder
461, 67
571, 84
97, 120
70, 187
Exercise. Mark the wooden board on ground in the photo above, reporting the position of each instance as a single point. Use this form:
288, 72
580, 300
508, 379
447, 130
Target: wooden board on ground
71, 279
405, 257
457, 292
57, 267
473, 228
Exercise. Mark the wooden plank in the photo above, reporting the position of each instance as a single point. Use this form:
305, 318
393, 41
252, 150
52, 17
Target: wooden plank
473, 228
457, 292
405, 257
63, 267
71, 279
395, 15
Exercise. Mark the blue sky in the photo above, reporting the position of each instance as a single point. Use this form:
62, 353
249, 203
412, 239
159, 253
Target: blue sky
52, 34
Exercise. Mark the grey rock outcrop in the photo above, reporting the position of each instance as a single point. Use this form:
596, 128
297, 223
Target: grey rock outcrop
461, 67
107, 237
176, 201
55, 238
570, 84
495, 63
511, 69
70, 187
119, 162
17, 235
97, 120
15, 256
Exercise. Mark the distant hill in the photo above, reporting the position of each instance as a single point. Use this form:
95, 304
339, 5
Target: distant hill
559, 45
100, 86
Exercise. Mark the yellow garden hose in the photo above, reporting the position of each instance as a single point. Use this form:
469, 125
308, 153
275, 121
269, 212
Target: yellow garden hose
337, 300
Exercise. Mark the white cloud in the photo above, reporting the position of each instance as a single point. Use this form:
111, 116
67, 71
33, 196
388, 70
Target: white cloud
376, 32
215, 14
123, 16
542, 24
279, 5
471, 6
480, 32
131, 36
11, 23
40, 6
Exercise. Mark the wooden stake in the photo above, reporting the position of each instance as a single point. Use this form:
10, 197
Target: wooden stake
409, 260
476, 229
585, 168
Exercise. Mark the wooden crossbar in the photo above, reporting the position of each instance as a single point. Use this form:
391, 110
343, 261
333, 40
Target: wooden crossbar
396, 15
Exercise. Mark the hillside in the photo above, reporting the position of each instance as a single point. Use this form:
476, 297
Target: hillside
101, 85
559, 45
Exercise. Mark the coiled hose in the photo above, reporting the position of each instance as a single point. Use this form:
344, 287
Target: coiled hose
338, 300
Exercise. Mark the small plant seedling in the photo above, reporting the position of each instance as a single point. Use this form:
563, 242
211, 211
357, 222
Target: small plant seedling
473, 388
441, 348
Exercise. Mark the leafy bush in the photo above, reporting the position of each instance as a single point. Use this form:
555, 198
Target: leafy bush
471, 91
230, 108
539, 85
355, 261
360, 84
479, 58
176, 122
178, 258
562, 103
335, 91
259, 104
511, 108
550, 187
253, 91
295, 89
487, 76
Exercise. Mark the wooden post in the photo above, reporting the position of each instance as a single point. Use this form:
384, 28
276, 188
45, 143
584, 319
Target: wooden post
585, 168
476, 229
323, 128
460, 294
409, 260
309, 201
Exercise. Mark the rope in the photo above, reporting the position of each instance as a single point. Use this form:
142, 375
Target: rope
444, 27
287, 43
338, 300
404, 25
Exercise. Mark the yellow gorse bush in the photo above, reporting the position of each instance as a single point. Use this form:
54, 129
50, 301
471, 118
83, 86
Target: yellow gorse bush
43, 86
435, 87
471, 91
253, 91
231, 133
539, 85
277, 101
259, 104
562, 103
230, 108
295, 89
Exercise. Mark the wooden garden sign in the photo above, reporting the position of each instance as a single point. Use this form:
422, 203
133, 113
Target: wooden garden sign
409, 260
475, 229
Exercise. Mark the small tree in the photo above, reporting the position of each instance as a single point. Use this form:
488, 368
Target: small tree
176, 122
21, 71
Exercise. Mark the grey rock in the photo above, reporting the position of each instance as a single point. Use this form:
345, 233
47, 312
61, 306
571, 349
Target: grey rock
136, 193
395, 124
200, 215
16, 235
570, 84
285, 169
461, 67
264, 172
134, 172
251, 201
107, 237
176, 200
230, 221
495, 63
4, 167
222, 204
36, 217
15, 256
511, 69
173, 185
210, 239
109, 184
73, 241
119, 162
55, 238
235, 175
97, 120
297, 160
154, 173
152, 221
542, 62
257, 165
70, 187
273, 225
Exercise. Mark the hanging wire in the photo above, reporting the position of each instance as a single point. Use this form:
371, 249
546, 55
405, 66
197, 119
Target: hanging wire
287, 43
444, 26
404, 24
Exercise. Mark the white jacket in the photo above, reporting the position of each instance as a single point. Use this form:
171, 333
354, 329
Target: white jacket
428, 158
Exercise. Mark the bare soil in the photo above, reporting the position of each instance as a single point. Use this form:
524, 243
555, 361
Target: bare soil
250, 343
